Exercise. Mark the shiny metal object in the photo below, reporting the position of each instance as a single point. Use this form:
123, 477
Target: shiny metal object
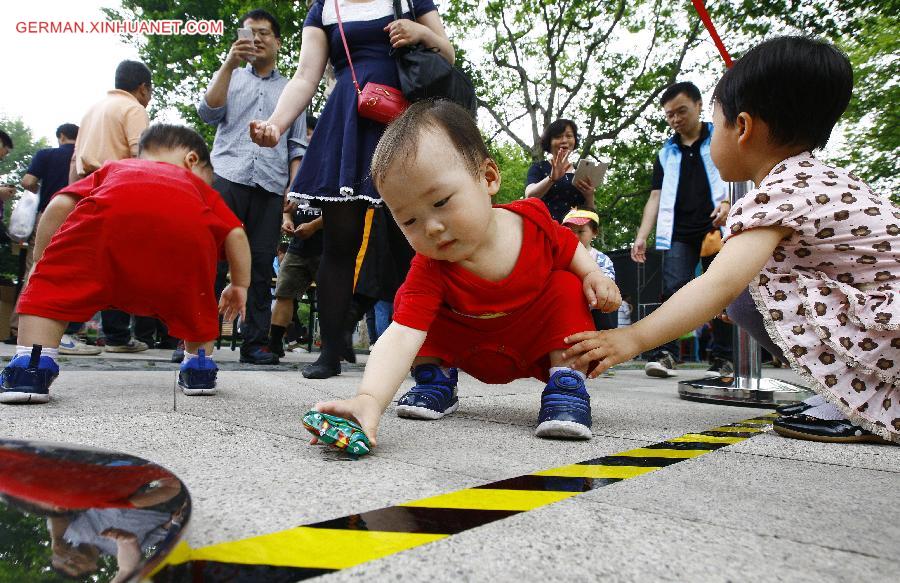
747, 387
86, 514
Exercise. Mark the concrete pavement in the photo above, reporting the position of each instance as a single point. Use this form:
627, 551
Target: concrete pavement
766, 509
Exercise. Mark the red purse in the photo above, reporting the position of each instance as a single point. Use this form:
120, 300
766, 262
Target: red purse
381, 103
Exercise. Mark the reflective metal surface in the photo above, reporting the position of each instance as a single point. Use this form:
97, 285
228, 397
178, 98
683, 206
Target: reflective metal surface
77, 513
749, 392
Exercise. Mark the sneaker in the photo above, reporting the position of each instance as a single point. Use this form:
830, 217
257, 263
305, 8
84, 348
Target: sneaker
132, 346
434, 395
565, 408
663, 367
197, 376
70, 346
27, 378
178, 353
259, 355
720, 367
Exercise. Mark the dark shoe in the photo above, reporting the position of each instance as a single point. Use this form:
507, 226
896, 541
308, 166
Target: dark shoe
197, 376
663, 366
276, 348
11, 340
720, 367
434, 395
259, 355
812, 429
349, 353
27, 378
565, 408
321, 370
800, 406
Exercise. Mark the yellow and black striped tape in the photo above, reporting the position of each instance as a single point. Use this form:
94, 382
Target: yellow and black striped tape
323, 547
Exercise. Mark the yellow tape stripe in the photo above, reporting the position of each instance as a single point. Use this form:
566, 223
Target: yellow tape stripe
317, 548
698, 438
584, 471
491, 499
738, 429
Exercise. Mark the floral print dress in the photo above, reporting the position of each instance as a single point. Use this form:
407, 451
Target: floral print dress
829, 294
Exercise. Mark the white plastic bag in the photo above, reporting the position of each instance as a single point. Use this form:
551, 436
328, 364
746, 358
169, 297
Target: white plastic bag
21, 220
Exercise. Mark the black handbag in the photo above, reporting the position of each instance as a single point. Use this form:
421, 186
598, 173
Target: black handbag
425, 73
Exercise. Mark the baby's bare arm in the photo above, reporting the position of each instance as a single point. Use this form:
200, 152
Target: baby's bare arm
237, 251
54, 216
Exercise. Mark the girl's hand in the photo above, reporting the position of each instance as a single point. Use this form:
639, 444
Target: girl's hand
601, 292
363, 409
233, 302
405, 32
720, 213
586, 187
264, 133
606, 348
560, 164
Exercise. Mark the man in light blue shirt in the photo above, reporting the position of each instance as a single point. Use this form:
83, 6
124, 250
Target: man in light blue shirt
253, 180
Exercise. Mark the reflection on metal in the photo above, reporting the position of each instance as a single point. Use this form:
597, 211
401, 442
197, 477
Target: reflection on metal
749, 392
324, 547
747, 387
85, 514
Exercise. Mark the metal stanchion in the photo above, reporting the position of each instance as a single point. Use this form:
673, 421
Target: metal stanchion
747, 387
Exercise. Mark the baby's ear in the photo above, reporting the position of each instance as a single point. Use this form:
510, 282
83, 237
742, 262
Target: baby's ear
491, 174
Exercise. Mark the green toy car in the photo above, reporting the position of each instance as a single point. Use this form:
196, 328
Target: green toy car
337, 431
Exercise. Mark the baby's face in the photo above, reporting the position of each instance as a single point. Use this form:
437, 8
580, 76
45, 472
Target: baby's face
585, 233
442, 208
204, 171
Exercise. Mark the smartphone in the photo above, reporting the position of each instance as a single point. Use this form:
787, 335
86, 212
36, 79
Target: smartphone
246, 34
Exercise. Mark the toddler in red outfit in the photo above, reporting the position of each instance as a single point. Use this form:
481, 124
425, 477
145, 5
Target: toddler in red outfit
140, 235
493, 290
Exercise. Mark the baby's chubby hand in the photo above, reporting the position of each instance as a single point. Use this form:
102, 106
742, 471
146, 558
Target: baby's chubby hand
363, 409
601, 292
606, 348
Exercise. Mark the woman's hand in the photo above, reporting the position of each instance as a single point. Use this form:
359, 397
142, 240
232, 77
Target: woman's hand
586, 187
405, 32
264, 133
560, 164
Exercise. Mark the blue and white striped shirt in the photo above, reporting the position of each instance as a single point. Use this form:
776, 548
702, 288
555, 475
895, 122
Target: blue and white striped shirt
234, 156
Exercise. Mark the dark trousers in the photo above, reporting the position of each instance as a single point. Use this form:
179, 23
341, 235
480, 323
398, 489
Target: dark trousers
679, 267
260, 211
744, 313
117, 327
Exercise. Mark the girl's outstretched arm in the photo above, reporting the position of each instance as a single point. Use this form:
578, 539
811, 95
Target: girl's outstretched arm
739, 261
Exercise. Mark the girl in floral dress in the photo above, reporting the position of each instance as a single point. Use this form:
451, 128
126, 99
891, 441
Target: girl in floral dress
819, 249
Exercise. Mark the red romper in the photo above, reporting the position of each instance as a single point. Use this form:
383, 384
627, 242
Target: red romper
144, 238
499, 331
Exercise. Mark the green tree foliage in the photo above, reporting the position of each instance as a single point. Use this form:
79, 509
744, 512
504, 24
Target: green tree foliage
183, 65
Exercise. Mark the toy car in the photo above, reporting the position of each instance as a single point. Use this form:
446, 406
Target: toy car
337, 431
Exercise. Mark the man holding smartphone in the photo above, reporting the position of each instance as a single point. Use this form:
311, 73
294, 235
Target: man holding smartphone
253, 180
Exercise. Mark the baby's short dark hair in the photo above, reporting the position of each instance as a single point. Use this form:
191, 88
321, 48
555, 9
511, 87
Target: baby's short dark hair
556, 129
799, 86
163, 136
400, 141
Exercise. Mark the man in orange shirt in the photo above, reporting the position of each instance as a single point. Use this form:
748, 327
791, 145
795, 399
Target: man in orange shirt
111, 130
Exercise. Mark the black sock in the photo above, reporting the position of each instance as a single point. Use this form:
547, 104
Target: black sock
276, 336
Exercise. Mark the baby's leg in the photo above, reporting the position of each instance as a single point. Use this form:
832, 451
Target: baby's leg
38, 330
557, 361
434, 395
27, 378
192, 347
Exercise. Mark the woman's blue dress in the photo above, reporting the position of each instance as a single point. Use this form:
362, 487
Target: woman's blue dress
336, 165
